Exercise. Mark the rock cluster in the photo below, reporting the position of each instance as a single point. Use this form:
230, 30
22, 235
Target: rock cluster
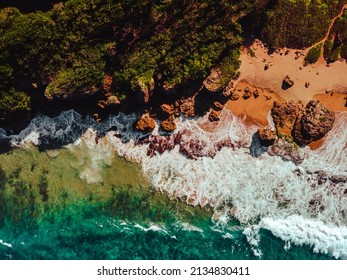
296, 125
188, 145
303, 123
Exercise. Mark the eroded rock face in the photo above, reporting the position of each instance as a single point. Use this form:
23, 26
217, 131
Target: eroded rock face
145, 123
267, 136
314, 123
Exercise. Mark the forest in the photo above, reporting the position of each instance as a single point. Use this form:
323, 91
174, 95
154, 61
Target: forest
79, 50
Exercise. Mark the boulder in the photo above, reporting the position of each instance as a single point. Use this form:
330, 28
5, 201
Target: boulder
187, 107
217, 106
287, 82
145, 123
256, 93
111, 101
267, 136
168, 125
165, 111
284, 115
234, 97
315, 122
247, 93
214, 115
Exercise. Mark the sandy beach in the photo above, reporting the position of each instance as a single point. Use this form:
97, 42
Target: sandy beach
265, 72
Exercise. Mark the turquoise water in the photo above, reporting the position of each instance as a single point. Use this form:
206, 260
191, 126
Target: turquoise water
92, 232
128, 221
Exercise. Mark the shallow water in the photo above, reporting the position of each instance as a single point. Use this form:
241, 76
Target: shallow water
102, 197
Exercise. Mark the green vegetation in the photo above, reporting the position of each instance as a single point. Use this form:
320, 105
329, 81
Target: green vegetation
339, 31
66, 52
331, 52
299, 23
313, 54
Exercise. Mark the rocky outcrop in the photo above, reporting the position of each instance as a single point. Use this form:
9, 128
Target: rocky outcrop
296, 125
303, 123
267, 136
145, 123
314, 123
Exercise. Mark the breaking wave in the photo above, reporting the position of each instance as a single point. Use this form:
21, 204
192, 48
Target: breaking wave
237, 180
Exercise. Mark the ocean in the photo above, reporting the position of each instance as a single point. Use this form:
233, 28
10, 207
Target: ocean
71, 188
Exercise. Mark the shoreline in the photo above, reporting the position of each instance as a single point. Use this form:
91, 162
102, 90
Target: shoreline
265, 72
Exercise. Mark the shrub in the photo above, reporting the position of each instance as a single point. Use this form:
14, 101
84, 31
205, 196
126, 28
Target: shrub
313, 54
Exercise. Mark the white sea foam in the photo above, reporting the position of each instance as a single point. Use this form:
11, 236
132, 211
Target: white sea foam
246, 187
234, 182
5, 243
31, 139
324, 238
253, 238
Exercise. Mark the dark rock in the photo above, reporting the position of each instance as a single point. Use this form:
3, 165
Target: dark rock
247, 93
214, 116
165, 111
287, 82
256, 93
217, 106
287, 151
